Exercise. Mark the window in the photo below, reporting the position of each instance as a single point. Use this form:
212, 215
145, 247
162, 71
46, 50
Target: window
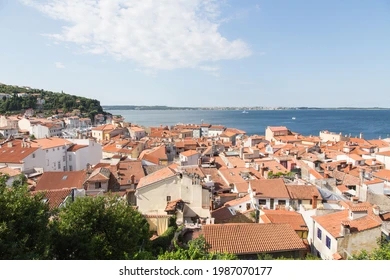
59, 165
33, 155
70, 168
98, 185
319, 233
168, 198
281, 202
47, 162
262, 201
328, 242
63, 158
70, 157
47, 151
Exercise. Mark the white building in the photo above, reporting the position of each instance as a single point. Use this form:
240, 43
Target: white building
46, 130
189, 157
82, 153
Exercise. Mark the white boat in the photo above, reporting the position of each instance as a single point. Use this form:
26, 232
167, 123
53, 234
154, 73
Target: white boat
293, 118
244, 112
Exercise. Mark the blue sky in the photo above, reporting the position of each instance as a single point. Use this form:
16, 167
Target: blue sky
201, 53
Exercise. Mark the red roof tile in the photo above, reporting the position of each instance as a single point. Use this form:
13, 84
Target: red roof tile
251, 238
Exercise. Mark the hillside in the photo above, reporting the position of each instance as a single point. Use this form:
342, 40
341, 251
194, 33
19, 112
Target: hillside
16, 99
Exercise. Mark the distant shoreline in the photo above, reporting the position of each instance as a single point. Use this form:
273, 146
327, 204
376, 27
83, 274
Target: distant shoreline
134, 107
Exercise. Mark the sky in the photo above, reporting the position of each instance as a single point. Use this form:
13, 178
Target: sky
201, 53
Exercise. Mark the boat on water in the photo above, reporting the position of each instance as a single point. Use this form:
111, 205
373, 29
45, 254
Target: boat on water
293, 118
244, 112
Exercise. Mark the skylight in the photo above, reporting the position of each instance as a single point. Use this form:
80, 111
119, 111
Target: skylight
65, 177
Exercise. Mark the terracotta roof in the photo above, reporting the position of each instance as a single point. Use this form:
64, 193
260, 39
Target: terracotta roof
277, 128
99, 174
15, 153
154, 155
242, 187
383, 174
76, 147
222, 214
48, 143
251, 238
238, 201
303, 191
9, 171
156, 176
55, 197
293, 218
337, 256
171, 205
189, 153
104, 127
332, 222
130, 168
270, 188
55, 180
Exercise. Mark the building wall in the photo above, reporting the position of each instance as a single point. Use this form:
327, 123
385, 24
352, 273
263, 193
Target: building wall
98, 134
24, 124
320, 244
53, 156
191, 160
354, 243
384, 159
39, 131
88, 155
255, 201
152, 199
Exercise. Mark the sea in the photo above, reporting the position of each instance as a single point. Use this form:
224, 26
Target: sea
372, 124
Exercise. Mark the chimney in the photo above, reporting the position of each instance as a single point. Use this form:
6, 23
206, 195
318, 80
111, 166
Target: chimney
199, 161
241, 152
361, 175
9, 144
354, 199
376, 210
361, 135
314, 201
345, 228
373, 161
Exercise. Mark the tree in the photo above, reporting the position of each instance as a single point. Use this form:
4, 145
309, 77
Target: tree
99, 228
197, 249
24, 219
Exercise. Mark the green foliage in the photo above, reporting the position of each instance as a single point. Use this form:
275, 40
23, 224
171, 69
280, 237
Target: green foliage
164, 241
272, 175
380, 253
24, 219
270, 257
53, 101
99, 228
197, 249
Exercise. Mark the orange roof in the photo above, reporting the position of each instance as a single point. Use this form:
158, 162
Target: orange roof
55, 197
9, 171
76, 147
154, 155
48, 143
189, 153
154, 177
130, 168
303, 191
277, 128
55, 180
332, 222
251, 238
293, 218
238, 201
272, 188
104, 127
13, 152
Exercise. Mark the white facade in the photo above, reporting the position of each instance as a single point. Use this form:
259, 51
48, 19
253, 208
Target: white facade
214, 132
8, 131
153, 198
385, 159
55, 158
136, 133
78, 159
324, 242
189, 160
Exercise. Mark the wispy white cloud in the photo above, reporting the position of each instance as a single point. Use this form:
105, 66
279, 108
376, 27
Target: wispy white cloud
158, 35
59, 65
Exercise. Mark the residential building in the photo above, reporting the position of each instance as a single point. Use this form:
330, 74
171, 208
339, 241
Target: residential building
190, 157
273, 131
248, 240
11, 173
156, 190
341, 234
136, 133
7, 131
81, 153
269, 194
57, 180
215, 130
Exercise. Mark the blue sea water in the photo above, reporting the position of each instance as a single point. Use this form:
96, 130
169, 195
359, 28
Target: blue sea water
371, 123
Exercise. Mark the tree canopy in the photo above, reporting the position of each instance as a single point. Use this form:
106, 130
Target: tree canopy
24, 221
197, 249
99, 228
